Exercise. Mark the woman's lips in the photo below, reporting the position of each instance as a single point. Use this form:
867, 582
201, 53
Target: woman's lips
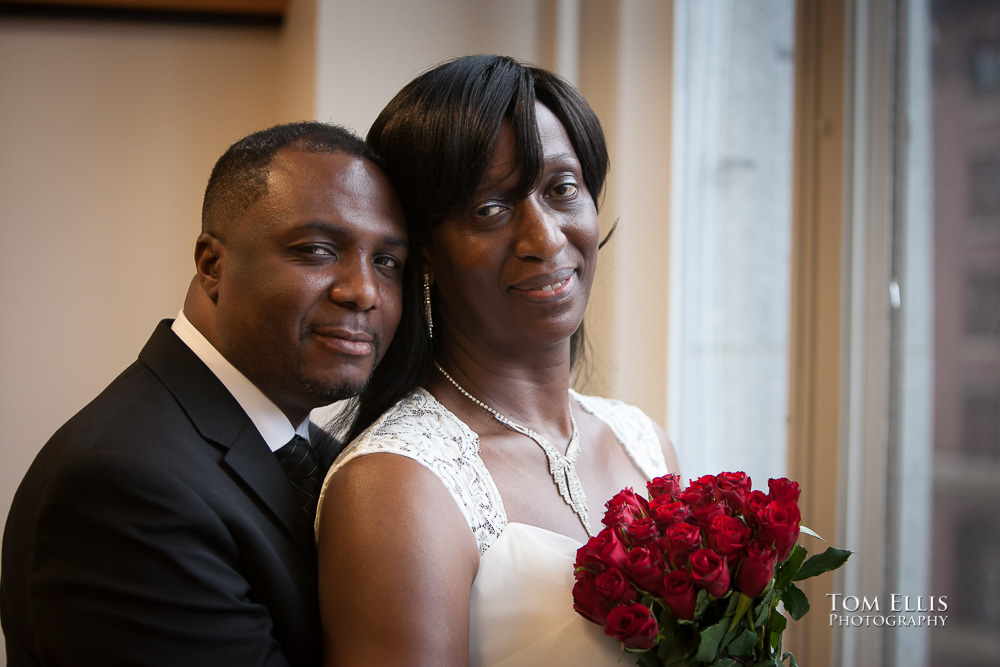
547, 287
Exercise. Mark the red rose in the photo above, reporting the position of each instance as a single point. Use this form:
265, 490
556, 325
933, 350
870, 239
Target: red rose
624, 507
727, 535
709, 571
667, 511
704, 480
755, 504
703, 516
602, 551
645, 568
733, 487
668, 485
679, 594
783, 489
613, 585
633, 625
779, 526
756, 568
643, 531
679, 541
618, 516
700, 492
589, 602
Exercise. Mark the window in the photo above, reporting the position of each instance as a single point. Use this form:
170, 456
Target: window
731, 236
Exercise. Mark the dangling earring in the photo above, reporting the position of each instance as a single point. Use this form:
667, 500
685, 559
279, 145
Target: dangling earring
427, 306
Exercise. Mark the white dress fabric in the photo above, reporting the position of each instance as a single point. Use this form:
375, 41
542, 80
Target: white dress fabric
522, 602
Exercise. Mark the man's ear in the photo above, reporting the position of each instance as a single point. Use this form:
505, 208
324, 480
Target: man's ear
209, 257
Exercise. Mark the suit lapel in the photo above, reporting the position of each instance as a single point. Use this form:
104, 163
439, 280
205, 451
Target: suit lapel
221, 420
250, 458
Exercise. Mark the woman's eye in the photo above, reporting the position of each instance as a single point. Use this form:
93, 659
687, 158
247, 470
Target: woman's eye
564, 190
388, 261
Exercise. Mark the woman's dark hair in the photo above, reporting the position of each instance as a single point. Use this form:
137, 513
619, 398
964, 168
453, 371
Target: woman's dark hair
437, 137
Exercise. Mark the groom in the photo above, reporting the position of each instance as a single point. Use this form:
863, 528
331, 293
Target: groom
159, 525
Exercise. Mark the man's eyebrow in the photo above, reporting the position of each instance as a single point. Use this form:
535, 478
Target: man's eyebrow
343, 232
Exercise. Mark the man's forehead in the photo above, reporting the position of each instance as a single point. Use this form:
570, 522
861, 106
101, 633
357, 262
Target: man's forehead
336, 187
298, 160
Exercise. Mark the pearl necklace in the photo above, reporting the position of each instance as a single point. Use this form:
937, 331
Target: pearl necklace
562, 468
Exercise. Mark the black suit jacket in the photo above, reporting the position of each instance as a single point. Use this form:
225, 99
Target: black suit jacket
157, 527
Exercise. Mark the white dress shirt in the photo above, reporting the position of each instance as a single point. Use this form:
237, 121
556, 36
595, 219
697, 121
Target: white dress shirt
270, 421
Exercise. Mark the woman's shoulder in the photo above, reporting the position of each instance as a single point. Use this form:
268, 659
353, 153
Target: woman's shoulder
616, 413
642, 438
418, 427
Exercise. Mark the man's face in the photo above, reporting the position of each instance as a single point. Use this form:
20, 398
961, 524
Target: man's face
309, 279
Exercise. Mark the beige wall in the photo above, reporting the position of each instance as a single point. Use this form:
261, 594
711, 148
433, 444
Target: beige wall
370, 49
107, 135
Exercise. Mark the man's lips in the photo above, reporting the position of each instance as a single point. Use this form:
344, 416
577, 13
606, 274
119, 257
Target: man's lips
355, 342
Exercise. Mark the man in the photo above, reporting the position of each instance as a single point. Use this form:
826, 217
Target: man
158, 525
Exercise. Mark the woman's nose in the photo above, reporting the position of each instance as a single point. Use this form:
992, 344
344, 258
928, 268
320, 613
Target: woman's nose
539, 231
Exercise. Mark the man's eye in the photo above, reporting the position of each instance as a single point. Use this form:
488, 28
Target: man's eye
488, 211
313, 249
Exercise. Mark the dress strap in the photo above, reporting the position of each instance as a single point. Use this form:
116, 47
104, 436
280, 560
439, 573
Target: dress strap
633, 429
419, 427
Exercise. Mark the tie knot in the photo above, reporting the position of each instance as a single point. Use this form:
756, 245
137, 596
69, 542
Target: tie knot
301, 465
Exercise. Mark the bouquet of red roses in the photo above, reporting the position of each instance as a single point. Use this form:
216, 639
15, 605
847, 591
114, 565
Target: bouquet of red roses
694, 576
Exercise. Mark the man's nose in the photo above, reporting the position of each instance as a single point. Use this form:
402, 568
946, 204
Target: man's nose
355, 285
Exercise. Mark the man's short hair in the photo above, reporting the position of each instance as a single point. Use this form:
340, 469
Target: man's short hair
239, 178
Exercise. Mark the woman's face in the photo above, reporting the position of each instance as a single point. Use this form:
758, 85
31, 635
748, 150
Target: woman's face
510, 272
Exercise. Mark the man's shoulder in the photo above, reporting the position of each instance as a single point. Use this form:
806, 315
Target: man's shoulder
137, 414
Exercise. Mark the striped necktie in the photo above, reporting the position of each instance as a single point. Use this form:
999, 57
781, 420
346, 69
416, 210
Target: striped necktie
300, 463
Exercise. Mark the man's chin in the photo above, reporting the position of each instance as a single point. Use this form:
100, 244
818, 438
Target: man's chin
331, 392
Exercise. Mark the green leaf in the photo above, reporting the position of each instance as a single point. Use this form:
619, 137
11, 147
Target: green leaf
731, 605
700, 603
778, 622
809, 531
731, 634
829, 560
795, 601
791, 565
708, 647
648, 659
666, 640
743, 643
776, 625
791, 658
724, 662
763, 609
741, 608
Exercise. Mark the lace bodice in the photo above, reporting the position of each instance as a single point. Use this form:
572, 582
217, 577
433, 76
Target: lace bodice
421, 428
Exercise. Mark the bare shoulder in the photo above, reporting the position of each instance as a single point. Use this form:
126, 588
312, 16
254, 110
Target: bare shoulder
396, 565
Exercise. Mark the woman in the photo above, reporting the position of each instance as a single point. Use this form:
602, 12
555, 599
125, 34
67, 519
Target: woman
447, 529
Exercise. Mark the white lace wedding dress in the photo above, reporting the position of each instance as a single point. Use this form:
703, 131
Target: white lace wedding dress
522, 603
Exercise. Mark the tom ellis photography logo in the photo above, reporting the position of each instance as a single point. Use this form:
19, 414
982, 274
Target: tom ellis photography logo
918, 611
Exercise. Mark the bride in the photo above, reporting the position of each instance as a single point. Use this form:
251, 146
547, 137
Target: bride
448, 527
